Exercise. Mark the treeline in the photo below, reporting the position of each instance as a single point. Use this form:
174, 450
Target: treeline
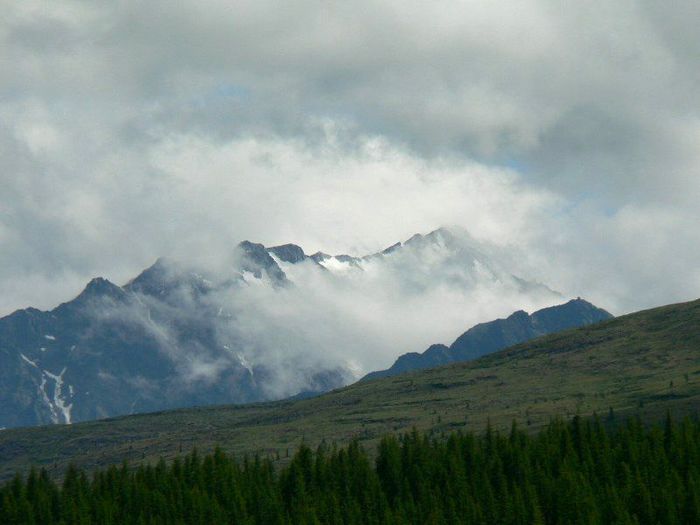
570, 473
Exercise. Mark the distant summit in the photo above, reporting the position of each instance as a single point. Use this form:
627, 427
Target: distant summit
255, 259
486, 338
180, 335
290, 253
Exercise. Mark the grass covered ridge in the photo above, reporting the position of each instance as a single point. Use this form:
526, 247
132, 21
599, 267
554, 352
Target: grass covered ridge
641, 364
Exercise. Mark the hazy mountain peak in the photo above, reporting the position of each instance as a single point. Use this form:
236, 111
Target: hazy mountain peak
236, 330
415, 238
451, 240
151, 279
166, 278
290, 253
442, 234
320, 256
254, 258
391, 248
100, 287
251, 247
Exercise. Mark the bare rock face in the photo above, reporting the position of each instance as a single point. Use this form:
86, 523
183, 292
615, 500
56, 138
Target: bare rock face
290, 253
256, 259
153, 344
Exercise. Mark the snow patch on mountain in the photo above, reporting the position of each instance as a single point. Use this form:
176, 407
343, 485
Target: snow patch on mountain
244, 362
46, 400
336, 265
251, 278
29, 361
266, 323
59, 405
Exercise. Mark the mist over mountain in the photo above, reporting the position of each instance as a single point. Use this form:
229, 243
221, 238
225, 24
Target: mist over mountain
269, 323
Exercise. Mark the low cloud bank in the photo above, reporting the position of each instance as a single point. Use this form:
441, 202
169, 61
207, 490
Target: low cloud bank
329, 322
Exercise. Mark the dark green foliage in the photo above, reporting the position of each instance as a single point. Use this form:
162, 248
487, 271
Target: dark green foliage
580, 472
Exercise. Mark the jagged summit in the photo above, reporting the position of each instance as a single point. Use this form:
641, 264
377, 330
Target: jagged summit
290, 253
441, 234
97, 288
391, 248
153, 280
99, 285
448, 239
320, 256
255, 259
166, 278
263, 323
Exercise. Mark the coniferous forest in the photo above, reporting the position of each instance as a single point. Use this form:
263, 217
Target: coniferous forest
577, 472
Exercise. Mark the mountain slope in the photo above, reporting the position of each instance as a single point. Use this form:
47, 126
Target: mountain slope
644, 363
153, 344
486, 338
264, 323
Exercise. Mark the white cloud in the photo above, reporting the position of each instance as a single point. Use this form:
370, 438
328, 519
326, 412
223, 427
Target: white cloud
131, 130
328, 198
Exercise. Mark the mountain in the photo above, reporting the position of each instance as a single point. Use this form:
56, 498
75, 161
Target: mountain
263, 324
153, 344
444, 256
643, 364
486, 338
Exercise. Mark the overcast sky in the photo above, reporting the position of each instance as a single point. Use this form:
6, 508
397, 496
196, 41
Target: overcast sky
567, 131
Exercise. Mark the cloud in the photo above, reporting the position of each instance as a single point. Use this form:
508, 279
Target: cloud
203, 198
362, 319
131, 130
639, 256
321, 329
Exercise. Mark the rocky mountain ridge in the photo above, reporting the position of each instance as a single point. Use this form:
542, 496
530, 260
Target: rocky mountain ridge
178, 336
486, 338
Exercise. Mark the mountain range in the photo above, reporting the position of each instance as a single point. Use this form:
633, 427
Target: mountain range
643, 365
486, 338
268, 326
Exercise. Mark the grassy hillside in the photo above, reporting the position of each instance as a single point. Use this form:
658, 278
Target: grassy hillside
643, 363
